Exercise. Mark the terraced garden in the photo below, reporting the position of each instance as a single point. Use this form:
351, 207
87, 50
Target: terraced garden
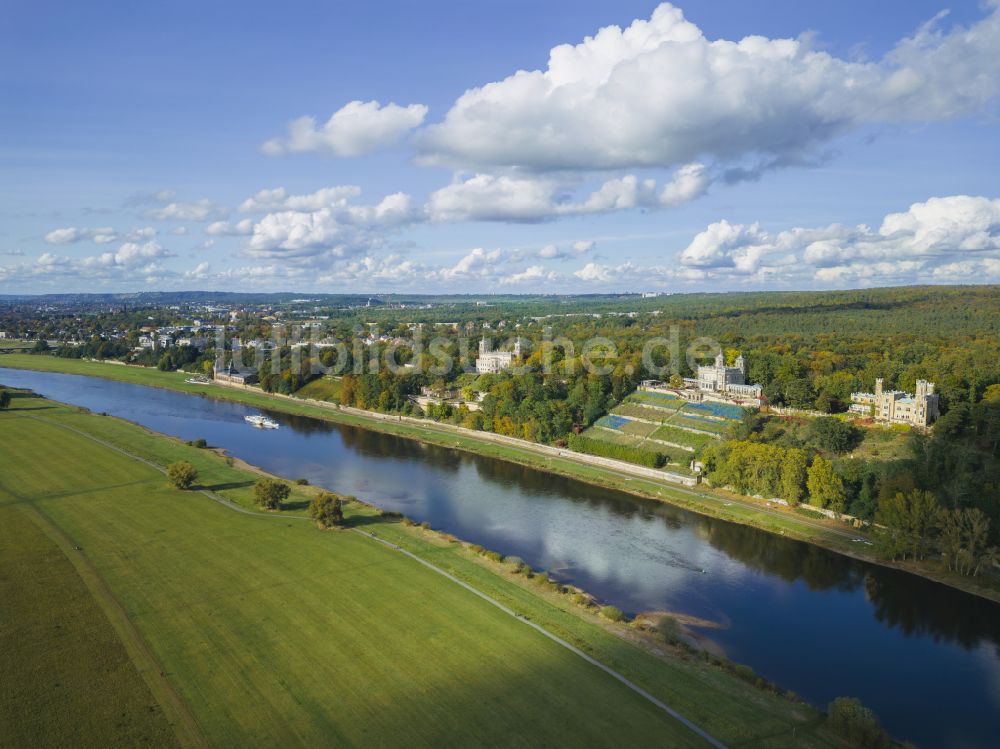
660, 422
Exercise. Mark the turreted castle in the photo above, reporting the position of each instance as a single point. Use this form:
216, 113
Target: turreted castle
896, 407
728, 381
491, 362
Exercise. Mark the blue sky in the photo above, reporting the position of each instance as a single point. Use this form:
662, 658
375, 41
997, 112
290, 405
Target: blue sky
713, 145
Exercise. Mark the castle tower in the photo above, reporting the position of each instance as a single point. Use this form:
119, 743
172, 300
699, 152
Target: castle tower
878, 388
720, 360
517, 347
484, 346
922, 389
741, 363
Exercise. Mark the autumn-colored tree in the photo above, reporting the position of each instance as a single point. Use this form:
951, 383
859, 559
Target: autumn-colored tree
182, 474
271, 493
326, 509
826, 490
794, 471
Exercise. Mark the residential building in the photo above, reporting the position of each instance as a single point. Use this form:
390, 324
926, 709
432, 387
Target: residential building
897, 407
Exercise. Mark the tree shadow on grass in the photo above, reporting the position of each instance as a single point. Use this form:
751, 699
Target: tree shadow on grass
226, 485
358, 521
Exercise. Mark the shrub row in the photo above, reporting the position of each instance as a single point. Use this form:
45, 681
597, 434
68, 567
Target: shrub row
579, 443
745, 673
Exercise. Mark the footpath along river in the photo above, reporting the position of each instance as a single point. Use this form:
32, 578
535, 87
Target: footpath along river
925, 657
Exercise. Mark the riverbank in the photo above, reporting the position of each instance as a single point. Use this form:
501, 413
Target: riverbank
236, 594
720, 504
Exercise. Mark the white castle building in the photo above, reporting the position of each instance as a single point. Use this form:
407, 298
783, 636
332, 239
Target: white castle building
728, 381
896, 407
491, 362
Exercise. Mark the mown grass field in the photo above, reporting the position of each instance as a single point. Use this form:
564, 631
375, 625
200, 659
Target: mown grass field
66, 677
274, 633
682, 437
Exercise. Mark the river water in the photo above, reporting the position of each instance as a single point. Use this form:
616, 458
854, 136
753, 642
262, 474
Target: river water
925, 657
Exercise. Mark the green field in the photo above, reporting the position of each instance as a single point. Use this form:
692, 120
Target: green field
658, 402
65, 672
635, 410
682, 437
698, 423
639, 428
615, 437
269, 632
321, 389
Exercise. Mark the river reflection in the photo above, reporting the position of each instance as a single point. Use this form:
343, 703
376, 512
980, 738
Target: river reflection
815, 622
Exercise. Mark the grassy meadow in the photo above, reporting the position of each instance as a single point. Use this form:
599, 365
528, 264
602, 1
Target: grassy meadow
65, 672
266, 631
322, 389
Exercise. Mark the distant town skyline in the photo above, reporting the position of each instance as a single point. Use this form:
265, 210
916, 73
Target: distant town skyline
453, 147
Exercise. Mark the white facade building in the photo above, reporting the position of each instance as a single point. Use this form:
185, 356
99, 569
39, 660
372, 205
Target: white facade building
728, 381
492, 362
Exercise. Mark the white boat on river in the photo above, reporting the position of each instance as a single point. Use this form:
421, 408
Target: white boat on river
262, 422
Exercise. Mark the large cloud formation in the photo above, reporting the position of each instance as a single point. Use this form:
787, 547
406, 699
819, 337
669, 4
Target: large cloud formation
660, 94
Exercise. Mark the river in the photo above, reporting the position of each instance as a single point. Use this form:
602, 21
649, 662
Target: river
924, 657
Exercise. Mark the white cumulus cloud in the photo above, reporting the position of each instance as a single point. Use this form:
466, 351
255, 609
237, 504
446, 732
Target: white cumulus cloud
925, 240
660, 94
103, 235
528, 198
242, 228
325, 224
197, 210
355, 129
558, 252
